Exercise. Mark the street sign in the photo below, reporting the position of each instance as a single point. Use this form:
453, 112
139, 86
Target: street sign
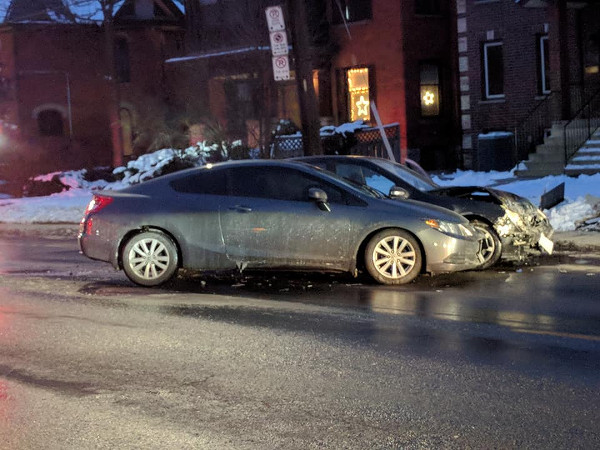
275, 18
281, 68
279, 43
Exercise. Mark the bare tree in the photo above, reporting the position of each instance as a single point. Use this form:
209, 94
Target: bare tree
103, 11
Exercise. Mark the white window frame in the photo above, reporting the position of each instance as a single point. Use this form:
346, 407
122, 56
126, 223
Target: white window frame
542, 47
487, 45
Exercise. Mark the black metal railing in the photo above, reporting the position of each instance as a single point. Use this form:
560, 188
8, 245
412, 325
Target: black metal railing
581, 126
365, 141
530, 132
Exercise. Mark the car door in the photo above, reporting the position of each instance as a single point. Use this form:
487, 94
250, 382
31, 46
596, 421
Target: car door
269, 221
195, 218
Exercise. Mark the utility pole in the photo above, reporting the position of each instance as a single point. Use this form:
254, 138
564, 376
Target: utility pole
301, 45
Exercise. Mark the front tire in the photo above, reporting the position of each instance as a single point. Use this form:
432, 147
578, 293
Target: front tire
150, 258
491, 249
393, 257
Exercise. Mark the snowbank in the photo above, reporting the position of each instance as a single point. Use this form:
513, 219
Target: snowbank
582, 194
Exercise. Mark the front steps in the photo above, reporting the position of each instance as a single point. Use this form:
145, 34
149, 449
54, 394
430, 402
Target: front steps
587, 159
549, 157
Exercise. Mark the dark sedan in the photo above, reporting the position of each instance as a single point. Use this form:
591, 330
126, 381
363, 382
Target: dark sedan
271, 215
512, 225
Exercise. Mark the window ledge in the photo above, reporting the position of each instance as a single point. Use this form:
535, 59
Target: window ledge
492, 101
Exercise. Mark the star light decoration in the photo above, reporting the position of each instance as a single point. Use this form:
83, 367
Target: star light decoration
429, 98
363, 106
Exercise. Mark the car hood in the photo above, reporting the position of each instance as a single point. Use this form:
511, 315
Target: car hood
420, 209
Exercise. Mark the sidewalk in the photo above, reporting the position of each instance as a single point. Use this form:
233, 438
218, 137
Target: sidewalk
582, 241
579, 241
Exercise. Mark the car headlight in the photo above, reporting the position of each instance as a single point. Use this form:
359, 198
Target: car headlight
457, 229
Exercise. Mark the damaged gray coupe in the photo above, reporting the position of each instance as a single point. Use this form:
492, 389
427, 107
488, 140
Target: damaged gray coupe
513, 227
271, 215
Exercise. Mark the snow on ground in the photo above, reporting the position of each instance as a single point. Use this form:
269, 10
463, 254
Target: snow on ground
582, 194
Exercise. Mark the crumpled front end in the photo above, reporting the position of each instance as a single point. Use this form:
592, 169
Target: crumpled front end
524, 228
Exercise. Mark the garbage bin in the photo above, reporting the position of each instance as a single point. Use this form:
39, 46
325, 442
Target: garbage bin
495, 151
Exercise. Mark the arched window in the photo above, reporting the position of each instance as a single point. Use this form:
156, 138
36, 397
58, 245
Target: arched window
122, 60
50, 123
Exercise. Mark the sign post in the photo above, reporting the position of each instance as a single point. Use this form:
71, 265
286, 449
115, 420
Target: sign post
279, 43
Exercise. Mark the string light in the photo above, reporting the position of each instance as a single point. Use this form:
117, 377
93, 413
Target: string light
358, 88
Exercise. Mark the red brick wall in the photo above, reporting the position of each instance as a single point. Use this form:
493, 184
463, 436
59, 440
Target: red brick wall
394, 41
39, 58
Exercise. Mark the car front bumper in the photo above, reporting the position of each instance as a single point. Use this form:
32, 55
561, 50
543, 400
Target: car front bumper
445, 253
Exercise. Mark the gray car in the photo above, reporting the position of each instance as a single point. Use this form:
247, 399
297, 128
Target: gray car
271, 215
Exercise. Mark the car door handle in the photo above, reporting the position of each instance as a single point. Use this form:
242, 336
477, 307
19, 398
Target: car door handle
240, 208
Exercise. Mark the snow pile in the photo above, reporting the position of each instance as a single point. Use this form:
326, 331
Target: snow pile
581, 208
586, 210
66, 207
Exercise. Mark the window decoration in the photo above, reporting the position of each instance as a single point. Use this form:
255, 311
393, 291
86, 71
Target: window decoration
430, 90
359, 94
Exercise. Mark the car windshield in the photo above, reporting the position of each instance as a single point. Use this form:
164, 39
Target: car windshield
411, 177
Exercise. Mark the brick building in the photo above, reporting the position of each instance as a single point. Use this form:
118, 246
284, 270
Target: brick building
523, 66
55, 90
401, 55
398, 54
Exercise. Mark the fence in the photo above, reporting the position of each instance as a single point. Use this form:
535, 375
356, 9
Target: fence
531, 131
365, 141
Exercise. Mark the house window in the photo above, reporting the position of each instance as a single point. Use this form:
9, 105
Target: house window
359, 93
493, 70
427, 7
430, 89
122, 60
350, 10
50, 123
543, 65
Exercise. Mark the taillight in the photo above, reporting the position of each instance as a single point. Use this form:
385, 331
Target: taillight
97, 203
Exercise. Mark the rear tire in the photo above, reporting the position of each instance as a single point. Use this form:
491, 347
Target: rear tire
150, 258
491, 250
393, 257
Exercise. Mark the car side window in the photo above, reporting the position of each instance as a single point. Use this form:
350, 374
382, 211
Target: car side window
278, 183
206, 181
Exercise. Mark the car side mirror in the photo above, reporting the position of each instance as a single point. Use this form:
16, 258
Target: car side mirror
398, 192
319, 196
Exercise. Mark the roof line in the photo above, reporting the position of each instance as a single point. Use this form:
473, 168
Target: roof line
219, 53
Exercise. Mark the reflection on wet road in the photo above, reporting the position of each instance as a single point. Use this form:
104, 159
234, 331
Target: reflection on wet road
505, 358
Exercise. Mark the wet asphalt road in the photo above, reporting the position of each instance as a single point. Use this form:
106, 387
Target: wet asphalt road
508, 358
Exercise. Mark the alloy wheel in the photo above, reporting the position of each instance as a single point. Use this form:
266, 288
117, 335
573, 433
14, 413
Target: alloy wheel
149, 258
394, 257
